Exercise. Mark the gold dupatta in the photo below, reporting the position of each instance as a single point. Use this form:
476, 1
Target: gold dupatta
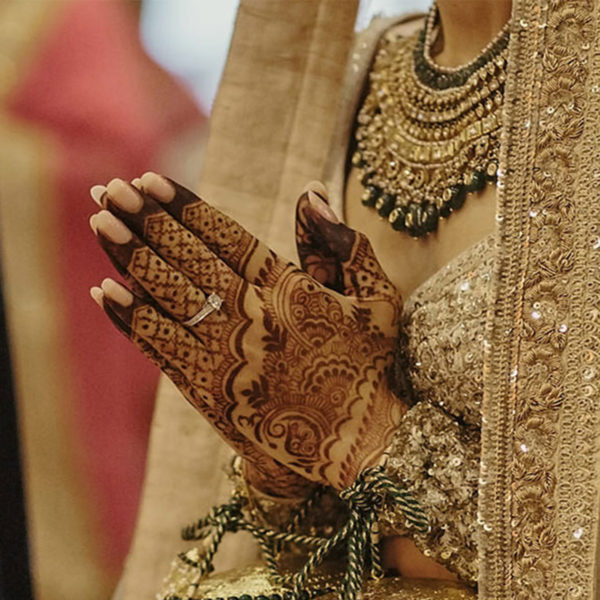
539, 497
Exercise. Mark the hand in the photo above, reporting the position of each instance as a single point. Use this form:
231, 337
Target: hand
287, 368
262, 471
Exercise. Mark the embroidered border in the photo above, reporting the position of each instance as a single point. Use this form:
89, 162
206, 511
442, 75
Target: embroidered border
540, 446
504, 327
577, 57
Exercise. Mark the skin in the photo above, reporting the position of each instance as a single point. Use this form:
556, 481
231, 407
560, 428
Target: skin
467, 26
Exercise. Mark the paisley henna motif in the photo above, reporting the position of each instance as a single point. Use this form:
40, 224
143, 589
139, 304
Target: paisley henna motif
292, 374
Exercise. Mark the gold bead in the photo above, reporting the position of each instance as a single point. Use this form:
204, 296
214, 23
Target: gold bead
491, 169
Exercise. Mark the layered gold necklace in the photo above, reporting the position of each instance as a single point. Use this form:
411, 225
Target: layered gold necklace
426, 135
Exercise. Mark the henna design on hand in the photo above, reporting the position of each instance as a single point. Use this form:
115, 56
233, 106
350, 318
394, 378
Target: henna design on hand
292, 374
147, 270
322, 390
337, 256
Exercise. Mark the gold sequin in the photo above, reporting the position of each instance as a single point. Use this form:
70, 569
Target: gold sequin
435, 451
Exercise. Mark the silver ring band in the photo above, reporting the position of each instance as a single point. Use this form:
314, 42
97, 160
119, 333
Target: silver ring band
213, 302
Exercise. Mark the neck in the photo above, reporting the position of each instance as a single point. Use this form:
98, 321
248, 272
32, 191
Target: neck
467, 26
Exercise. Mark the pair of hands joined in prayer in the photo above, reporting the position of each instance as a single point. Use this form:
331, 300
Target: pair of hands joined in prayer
292, 370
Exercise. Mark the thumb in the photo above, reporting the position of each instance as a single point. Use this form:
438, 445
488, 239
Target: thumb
340, 258
316, 258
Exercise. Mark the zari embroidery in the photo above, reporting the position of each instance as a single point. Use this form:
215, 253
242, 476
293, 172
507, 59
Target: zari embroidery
435, 450
539, 497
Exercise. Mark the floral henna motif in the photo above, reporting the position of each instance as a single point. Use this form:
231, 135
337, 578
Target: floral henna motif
176, 292
323, 391
266, 474
291, 374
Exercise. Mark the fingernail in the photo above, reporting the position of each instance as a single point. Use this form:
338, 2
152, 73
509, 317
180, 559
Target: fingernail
137, 183
115, 291
112, 228
323, 209
124, 196
97, 294
158, 186
318, 187
96, 192
93, 225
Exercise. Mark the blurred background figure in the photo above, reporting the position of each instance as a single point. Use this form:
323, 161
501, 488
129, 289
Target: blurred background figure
89, 90
81, 103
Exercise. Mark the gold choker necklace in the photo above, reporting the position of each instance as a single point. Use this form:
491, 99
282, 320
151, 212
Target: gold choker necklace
426, 135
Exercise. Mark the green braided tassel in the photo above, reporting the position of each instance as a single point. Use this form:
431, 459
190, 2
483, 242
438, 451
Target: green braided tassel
365, 498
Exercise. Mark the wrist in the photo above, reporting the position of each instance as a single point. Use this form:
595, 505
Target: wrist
319, 510
276, 482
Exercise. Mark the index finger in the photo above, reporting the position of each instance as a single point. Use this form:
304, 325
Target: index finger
239, 249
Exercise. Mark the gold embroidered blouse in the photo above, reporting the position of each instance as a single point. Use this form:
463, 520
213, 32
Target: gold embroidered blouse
435, 451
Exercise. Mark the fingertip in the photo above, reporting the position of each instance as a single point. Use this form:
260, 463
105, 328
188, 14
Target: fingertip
113, 186
317, 187
111, 227
114, 181
125, 196
97, 295
93, 224
96, 192
158, 186
117, 292
322, 208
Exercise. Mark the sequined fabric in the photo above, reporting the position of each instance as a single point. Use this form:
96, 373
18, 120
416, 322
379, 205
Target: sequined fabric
435, 451
443, 323
256, 581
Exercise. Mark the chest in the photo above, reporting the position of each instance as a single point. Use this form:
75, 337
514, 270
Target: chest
411, 261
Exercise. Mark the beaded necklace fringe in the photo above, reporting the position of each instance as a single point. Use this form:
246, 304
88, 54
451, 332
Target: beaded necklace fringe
426, 135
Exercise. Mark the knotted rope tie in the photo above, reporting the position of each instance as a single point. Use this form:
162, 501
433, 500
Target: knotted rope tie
365, 498
229, 518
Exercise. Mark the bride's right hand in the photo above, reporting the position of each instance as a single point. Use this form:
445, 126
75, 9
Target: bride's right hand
288, 367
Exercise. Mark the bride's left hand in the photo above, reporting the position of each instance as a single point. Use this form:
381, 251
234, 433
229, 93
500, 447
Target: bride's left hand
299, 370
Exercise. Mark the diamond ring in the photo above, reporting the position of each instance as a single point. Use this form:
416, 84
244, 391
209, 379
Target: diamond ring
213, 302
